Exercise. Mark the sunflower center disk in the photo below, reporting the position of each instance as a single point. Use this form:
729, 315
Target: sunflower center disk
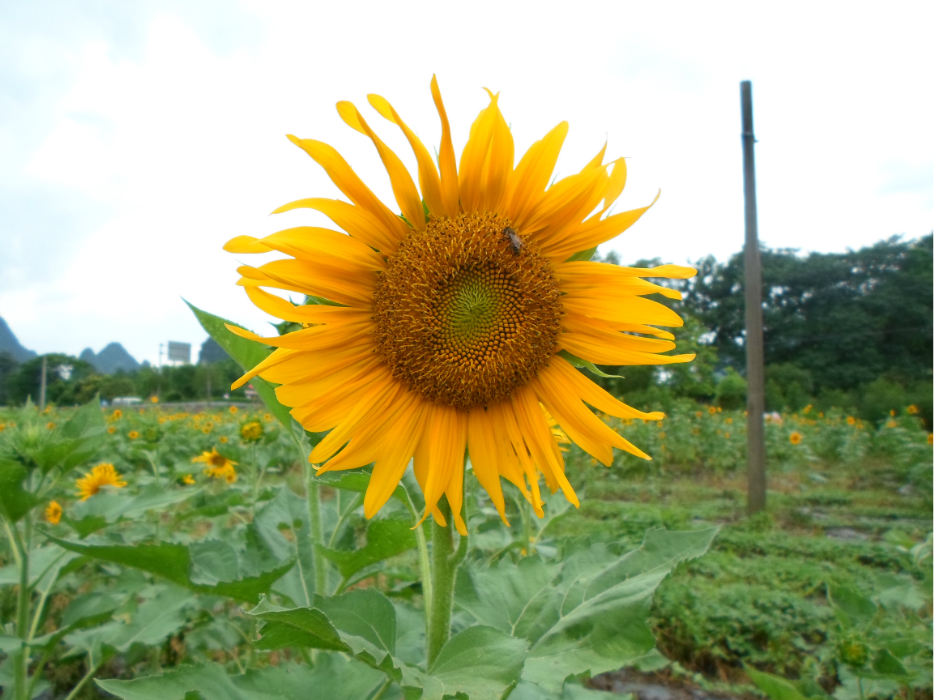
464, 315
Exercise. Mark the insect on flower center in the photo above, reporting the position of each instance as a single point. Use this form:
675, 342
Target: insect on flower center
467, 311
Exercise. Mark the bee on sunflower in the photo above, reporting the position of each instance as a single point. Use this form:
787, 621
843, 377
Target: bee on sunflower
458, 326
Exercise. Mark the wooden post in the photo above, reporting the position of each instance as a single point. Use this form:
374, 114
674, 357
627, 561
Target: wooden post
755, 359
42, 382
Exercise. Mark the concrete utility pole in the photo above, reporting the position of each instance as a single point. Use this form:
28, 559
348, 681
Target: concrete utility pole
42, 382
755, 356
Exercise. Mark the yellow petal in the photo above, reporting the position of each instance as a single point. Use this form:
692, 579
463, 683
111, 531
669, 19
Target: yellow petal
356, 221
402, 186
245, 244
428, 180
352, 186
450, 189
474, 156
593, 233
481, 444
528, 183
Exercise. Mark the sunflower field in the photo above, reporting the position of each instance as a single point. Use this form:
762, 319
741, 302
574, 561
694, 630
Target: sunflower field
182, 546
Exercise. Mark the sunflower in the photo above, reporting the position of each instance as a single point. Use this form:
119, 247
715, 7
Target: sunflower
50, 425
111, 429
252, 431
53, 512
233, 409
103, 474
218, 466
188, 480
912, 409
154, 399
795, 438
133, 435
449, 327
116, 415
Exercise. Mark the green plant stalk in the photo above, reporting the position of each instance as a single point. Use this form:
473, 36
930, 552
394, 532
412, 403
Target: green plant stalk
84, 679
21, 661
443, 570
317, 532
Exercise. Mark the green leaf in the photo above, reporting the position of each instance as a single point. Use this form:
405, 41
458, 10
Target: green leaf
87, 517
357, 480
583, 255
366, 620
853, 608
586, 614
886, 665
247, 354
296, 627
150, 624
332, 677
288, 511
775, 687
80, 438
385, 537
480, 662
176, 563
586, 364
15, 501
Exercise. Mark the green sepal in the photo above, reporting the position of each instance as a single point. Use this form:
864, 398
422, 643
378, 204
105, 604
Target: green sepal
586, 364
583, 256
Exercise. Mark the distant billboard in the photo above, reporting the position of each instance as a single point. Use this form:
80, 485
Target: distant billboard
179, 352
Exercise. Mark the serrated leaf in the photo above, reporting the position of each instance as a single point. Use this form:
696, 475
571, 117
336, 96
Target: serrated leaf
79, 439
288, 511
586, 364
296, 627
247, 354
586, 614
149, 624
851, 606
357, 480
385, 537
15, 501
174, 562
366, 621
481, 662
775, 687
331, 677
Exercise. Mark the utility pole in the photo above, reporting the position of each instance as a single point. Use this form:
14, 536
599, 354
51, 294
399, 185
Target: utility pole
42, 382
755, 356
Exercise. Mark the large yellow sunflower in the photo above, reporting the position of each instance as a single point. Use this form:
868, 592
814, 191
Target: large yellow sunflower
447, 328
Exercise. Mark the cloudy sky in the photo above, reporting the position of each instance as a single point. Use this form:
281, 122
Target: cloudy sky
137, 137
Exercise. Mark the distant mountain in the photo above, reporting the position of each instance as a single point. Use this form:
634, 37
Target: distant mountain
112, 358
9, 343
211, 352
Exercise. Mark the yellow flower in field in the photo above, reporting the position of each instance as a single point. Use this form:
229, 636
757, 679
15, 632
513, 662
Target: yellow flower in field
891, 412
132, 435
50, 425
850, 420
188, 479
912, 409
233, 409
116, 415
661, 435
53, 512
807, 409
103, 474
719, 409
891, 424
820, 415
931, 438
728, 421
2, 427
252, 431
218, 466
795, 438
726, 436
223, 439
154, 399
111, 429
206, 429
454, 323
699, 414
712, 410
267, 417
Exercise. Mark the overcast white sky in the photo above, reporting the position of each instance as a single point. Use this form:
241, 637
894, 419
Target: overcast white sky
137, 137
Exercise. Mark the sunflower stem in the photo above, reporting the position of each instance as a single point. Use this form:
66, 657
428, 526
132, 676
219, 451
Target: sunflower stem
317, 532
21, 659
443, 571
